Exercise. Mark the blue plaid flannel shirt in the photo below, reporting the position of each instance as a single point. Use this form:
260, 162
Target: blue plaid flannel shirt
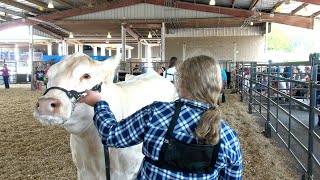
149, 126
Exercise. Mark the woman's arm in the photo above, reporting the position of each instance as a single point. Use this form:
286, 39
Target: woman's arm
127, 132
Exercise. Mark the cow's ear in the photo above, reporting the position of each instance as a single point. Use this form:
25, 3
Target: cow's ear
112, 62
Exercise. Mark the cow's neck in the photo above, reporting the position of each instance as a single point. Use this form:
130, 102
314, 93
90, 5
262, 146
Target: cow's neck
87, 152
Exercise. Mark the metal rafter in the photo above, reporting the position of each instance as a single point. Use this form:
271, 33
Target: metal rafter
19, 14
315, 14
316, 2
304, 22
65, 4
47, 31
233, 3
6, 18
253, 4
299, 8
21, 6
41, 4
278, 4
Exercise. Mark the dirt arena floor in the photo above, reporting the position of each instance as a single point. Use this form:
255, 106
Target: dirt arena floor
29, 150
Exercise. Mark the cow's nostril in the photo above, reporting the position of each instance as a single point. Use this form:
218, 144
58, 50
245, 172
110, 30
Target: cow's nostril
53, 105
38, 105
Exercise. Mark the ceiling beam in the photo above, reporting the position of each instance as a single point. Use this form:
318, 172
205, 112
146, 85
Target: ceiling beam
65, 4
316, 2
315, 14
253, 4
299, 8
304, 22
233, 3
19, 14
133, 34
41, 4
47, 31
21, 6
278, 4
7, 18
298, 21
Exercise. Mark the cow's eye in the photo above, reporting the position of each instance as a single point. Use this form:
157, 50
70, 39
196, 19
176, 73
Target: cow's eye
86, 76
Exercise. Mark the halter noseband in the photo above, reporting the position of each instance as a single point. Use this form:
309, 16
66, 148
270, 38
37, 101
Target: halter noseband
72, 93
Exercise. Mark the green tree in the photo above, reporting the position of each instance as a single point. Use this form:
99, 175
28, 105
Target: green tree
278, 40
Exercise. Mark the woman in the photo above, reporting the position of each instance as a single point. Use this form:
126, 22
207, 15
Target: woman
5, 75
170, 73
183, 139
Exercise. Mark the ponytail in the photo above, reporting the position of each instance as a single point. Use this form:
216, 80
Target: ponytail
208, 129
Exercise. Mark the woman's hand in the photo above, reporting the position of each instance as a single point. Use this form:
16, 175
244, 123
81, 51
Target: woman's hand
91, 98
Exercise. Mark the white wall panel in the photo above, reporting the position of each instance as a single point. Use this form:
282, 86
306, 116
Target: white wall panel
205, 32
250, 48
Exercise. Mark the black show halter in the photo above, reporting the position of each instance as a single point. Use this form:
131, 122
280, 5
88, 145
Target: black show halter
77, 95
72, 93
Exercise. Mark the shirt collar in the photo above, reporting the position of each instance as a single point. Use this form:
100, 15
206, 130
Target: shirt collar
194, 103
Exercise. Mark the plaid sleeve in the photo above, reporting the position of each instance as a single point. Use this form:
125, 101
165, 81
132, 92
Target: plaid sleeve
234, 170
125, 133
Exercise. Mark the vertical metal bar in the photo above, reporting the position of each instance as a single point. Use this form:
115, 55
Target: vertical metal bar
123, 41
277, 111
290, 107
313, 96
31, 56
243, 85
163, 42
250, 88
267, 125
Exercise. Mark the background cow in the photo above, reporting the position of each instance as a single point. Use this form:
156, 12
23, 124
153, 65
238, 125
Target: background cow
78, 72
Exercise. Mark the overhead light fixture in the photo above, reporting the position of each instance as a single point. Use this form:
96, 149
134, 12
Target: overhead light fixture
212, 2
50, 5
71, 35
251, 23
109, 35
149, 35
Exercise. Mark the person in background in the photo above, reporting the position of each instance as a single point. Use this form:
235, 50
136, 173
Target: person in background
185, 139
39, 77
5, 75
224, 81
45, 79
160, 70
170, 73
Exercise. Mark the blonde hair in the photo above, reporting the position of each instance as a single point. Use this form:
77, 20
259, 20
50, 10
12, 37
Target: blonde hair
199, 79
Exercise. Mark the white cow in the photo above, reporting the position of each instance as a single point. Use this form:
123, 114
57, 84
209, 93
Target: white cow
78, 72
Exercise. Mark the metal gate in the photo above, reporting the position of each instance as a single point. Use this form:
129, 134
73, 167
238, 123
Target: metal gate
287, 100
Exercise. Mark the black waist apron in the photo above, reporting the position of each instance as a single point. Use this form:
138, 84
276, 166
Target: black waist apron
179, 156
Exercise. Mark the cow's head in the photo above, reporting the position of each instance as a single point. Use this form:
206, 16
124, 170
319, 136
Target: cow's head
75, 72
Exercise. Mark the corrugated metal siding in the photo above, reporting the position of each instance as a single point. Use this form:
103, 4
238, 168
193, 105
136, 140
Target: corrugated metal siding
146, 11
40, 33
206, 32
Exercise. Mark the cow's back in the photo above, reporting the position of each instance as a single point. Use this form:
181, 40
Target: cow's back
145, 89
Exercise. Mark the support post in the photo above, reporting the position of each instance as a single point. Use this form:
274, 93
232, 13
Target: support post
123, 41
139, 50
76, 48
81, 48
267, 124
103, 51
95, 50
31, 57
49, 48
163, 42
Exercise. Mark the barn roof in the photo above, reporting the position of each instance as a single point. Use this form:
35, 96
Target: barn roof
90, 21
